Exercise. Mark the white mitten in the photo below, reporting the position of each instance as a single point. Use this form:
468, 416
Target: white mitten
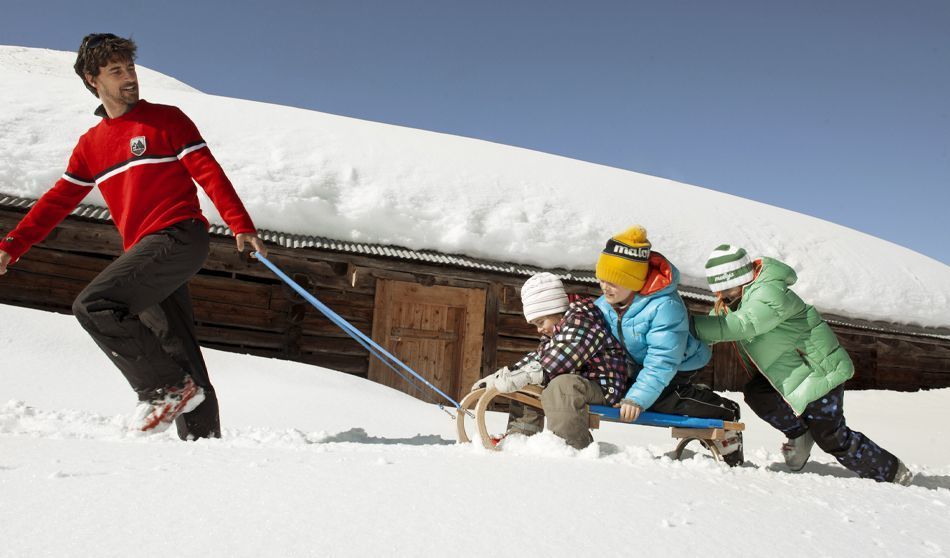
489, 381
508, 381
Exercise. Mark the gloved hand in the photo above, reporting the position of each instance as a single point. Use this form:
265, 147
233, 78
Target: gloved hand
506, 380
489, 381
513, 380
629, 411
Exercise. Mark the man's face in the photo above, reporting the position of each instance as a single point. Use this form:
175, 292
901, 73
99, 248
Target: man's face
546, 324
615, 294
116, 82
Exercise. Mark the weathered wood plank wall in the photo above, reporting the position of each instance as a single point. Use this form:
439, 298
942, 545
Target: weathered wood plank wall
240, 306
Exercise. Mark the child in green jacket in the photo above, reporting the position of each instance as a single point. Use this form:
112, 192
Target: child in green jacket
798, 367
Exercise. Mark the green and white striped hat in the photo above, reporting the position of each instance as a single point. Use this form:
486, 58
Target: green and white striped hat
728, 267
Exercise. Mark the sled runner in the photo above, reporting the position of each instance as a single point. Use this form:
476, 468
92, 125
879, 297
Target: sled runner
685, 429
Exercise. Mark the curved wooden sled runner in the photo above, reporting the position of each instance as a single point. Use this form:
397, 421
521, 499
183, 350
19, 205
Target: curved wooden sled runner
685, 429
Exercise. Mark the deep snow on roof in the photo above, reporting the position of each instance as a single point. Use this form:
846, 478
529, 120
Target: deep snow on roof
309, 173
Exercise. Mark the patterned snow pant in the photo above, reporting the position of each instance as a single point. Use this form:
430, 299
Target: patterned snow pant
138, 310
824, 418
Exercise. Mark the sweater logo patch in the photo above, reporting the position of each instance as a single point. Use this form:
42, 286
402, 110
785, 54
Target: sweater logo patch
137, 145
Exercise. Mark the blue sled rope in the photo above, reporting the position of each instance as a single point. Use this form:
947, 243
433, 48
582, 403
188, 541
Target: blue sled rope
347, 327
648, 418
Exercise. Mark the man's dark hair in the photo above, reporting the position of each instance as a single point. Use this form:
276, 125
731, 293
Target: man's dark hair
99, 49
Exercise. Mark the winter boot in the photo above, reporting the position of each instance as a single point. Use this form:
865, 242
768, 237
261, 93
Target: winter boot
903, 476
497, 439
730, 448
796, 451
164, 405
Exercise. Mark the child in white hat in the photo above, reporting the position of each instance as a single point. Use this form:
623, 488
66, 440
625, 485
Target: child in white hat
578, 362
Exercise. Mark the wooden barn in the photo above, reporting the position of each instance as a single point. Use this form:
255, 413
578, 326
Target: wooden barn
451, 318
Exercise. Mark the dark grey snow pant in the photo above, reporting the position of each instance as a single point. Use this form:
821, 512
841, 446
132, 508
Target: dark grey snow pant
824, 417
139, 312
682, 397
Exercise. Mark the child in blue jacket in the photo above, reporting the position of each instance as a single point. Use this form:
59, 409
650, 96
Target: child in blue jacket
646, 314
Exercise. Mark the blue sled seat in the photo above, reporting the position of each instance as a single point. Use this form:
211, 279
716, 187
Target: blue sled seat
648, 418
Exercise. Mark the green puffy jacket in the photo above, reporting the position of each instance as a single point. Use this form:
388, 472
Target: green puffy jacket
786, 339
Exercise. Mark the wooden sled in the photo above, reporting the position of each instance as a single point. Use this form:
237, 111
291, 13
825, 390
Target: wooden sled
685, 429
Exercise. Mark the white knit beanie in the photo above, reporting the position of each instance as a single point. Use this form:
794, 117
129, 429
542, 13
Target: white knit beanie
542, 295
728, 267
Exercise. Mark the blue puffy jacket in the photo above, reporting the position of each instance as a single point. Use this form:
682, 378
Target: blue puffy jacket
656, 333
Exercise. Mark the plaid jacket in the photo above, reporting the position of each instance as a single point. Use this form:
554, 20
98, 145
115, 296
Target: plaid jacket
583, 345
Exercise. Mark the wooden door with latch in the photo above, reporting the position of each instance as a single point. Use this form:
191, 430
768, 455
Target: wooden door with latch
437, 331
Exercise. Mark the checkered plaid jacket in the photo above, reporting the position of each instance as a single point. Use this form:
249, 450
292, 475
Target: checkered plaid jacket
583, 345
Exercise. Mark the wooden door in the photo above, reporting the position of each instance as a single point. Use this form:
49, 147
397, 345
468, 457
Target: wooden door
436, 331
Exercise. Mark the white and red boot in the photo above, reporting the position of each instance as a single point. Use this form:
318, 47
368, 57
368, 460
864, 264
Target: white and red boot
167, 404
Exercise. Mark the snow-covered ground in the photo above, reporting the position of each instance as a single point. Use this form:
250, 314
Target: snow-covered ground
307, 172
318, 463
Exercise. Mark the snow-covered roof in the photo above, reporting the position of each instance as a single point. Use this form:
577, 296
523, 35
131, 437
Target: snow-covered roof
297, 241
307, 173
294, 241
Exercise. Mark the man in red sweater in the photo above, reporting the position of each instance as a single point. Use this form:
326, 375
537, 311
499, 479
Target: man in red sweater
145, 159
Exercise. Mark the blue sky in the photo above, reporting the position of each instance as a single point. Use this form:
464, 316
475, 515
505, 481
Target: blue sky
840, 110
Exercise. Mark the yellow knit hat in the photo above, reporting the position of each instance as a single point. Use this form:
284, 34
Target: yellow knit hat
626, 259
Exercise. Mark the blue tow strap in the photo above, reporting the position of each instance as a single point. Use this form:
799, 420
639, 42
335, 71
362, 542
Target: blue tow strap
648, 418
382, 354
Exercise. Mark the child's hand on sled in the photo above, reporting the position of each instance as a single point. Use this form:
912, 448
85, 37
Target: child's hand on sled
629, 411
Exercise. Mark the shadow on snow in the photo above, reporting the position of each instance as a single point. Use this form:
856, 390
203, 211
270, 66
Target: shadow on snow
359, 436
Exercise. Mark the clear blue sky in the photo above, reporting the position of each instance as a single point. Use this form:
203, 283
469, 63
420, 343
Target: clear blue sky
839, 110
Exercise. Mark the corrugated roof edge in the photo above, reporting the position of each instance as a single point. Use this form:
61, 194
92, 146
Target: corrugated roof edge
295, 241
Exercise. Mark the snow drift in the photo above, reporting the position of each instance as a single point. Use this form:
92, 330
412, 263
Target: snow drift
318, 463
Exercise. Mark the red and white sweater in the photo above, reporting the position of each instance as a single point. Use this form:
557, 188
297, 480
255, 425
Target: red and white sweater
143, 163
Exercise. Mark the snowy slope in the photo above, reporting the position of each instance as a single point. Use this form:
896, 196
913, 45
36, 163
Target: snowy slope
307, 172
317, 463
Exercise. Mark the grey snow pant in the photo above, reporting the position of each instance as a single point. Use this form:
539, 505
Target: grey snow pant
565, 401
139, 312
